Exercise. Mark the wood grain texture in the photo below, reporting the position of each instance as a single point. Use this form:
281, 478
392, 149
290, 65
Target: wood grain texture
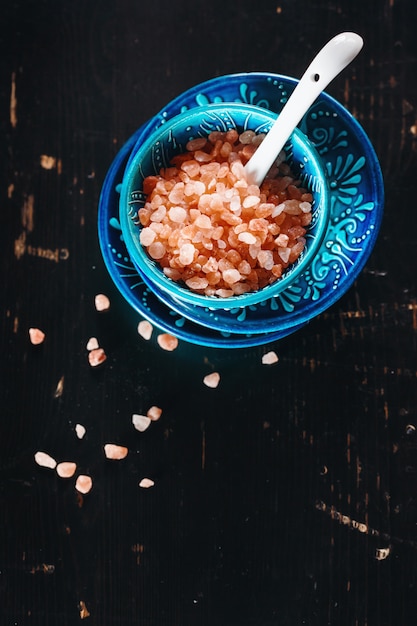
287, 495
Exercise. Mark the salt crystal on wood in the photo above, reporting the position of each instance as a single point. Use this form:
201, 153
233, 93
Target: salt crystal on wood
145, 329
96, 357
45, 460
92, 344
146, 483
154, 413
66, 469
115, 452
83, 483
102, 302
140, 422
36, 336
80, 431
212, 380
167, 342
269, 358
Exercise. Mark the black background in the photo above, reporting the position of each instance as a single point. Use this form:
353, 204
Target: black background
274, 493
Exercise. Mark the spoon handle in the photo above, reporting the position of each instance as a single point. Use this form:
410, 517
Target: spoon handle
326, 65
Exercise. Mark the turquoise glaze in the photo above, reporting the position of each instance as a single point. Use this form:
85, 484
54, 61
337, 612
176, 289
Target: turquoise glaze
356, 209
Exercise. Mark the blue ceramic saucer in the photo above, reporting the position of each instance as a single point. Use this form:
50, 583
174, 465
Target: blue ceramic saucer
357, 196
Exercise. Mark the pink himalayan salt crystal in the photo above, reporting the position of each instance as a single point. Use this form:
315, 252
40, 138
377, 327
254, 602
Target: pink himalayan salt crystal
96, 357
141, 422
36, 336
246, 237
266, 259
269, 358
282, 240
145, 329
177, 214
66, 469
145, 483
167, 342
212, 380
147, 236
92, 344
231, 276
102, 302
80, 430
45, 460
284, 253
197, 282
204, 191
154, 413
157, 250
84, 483
187, 252
115, 452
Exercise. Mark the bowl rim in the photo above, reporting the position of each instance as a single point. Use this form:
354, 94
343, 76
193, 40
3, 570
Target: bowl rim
150, 271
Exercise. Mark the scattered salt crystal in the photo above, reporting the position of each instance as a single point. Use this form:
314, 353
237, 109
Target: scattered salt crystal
140, 422
66, 469
36, 336
212, 380
92, 344
80, 431
115, 452
382, 553
146, 483
96, 357
45, 460
102, 302
154, 413
83, 483
145, 329
269, 358
167, 342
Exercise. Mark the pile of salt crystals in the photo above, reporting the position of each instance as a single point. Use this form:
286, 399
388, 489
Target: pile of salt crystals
208, 228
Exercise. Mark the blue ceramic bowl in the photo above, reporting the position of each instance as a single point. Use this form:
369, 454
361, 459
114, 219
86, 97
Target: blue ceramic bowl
161, 145
356, 211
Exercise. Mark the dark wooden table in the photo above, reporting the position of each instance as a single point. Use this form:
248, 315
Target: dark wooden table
288, 494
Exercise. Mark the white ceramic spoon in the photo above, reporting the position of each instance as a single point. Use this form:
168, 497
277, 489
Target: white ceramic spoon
327, 64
